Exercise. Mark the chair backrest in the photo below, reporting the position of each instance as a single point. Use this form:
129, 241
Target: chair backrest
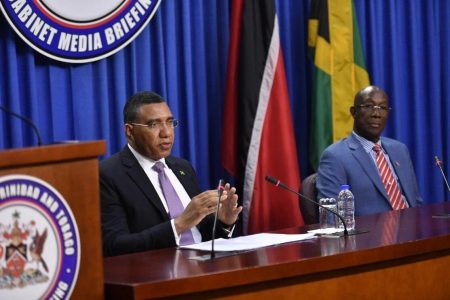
309, 211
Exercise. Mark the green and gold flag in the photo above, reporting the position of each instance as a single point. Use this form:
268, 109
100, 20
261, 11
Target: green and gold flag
335, 46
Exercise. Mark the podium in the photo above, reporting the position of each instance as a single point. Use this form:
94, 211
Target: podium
72, 170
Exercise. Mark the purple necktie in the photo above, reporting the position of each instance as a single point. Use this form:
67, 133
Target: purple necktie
173, 201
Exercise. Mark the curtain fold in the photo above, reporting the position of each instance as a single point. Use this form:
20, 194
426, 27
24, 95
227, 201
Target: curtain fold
182, 54
407, 47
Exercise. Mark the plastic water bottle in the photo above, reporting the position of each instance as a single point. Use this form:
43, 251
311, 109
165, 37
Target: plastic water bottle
346, 207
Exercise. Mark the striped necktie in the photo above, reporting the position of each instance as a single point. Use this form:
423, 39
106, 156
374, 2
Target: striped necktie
390, 228
173, 201
388, 179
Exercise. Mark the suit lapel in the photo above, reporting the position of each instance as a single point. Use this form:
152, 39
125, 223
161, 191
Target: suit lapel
138, 175
394, 157
367, 165
183, 174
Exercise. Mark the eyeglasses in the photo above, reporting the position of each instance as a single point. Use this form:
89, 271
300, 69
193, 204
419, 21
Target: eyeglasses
372, 108
172, 123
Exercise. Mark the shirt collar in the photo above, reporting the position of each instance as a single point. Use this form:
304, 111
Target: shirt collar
365, 143
145, 160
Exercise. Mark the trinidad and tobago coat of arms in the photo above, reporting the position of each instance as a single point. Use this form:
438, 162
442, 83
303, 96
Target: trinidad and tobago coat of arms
39, 241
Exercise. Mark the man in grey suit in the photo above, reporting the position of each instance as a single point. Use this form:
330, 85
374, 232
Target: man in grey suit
135, 203
352, 160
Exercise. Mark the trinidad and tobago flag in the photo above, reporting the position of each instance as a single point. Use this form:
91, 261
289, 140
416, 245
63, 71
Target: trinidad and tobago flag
258, 135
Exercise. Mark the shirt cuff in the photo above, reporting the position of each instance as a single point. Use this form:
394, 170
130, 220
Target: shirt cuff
228, 229
175, 234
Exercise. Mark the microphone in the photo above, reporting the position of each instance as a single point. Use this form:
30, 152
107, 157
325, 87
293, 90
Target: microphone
439, 164
220, 188
278, 183
26, 120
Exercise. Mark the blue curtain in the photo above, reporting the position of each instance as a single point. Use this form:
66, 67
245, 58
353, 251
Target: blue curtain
407, 53
182, 54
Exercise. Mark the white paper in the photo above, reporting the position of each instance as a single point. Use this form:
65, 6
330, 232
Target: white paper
329, 230
249, 242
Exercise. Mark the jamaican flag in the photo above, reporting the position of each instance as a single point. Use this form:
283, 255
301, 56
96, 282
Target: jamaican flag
339, 71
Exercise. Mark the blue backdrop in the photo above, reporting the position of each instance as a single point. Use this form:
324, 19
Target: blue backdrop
182, 54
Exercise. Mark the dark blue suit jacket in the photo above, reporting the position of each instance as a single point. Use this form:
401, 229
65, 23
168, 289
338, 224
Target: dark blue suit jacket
133, 216
346, 162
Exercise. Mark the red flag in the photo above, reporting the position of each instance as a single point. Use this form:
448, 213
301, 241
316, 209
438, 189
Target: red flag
258, 136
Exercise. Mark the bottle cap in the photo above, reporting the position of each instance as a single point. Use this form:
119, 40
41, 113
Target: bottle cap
345, 187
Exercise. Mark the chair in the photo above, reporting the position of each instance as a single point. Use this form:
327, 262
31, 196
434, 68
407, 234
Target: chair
309, 211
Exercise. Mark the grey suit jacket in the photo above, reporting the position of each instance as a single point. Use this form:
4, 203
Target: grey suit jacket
133, 216
346, 162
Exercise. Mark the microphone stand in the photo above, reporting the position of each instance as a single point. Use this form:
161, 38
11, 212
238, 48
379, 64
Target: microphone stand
211, 256
219, 191
26, 120
282, 185
439, 164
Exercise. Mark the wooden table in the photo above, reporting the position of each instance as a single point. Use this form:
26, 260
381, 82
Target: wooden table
412, 261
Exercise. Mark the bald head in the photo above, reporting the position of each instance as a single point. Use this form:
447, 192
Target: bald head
367, 93
370, 112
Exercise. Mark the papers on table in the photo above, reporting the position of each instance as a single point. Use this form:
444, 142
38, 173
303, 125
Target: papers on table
325, 231
249, 242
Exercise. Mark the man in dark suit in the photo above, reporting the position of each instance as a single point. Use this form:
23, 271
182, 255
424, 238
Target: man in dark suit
135, 211
353, 160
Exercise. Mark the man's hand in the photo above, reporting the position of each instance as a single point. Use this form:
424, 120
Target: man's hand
229, 210
200, 206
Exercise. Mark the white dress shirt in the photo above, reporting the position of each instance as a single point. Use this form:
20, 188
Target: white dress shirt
147, 164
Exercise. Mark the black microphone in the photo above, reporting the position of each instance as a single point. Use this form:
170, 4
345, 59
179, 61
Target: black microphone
220, 188
278, 183
26, 120
439, 164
